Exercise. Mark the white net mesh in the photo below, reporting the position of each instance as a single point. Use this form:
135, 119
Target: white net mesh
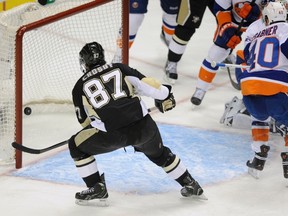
50, 55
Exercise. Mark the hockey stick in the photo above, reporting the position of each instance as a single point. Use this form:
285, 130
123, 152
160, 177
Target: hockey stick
233, 83
214, 64
37, 151
40, 151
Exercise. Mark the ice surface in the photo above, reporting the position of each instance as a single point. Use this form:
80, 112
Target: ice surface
214, 154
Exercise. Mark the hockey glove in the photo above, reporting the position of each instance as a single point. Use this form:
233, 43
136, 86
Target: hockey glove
249, 12
227, 37
168, 103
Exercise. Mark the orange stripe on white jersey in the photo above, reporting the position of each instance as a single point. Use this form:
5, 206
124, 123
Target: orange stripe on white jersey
262, 86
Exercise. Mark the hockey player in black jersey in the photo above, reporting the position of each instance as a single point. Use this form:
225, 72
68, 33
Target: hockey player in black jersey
113, 115
189, 19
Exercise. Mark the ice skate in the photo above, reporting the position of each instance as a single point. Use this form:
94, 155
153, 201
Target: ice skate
198, 96
258, 162
192, 188
171, 72
93, 196
284, 156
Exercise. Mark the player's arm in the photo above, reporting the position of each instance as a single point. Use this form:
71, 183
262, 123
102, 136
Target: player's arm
222, 11
144, 86
164, 98
226, 31
249, 11
151, 87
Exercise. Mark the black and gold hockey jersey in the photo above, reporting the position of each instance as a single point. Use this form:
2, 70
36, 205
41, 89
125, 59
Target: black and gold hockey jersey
108, 96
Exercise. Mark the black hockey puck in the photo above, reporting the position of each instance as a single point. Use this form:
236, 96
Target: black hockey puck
44, 2
27, 111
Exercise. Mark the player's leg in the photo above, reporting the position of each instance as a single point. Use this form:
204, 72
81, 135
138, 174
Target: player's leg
82, 147
176, 170
280, 114
260, 135
189, 19
87, 168
170, 10
218, 52
284, 156
138, 9
283, 131
237, 116
150, 143
208, 72
256, 105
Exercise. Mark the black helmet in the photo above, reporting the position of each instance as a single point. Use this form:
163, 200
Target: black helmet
91, 55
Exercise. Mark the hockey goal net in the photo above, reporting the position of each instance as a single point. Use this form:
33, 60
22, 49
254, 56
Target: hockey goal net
39, 48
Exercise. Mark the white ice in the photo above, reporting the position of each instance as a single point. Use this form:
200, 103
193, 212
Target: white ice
241, 196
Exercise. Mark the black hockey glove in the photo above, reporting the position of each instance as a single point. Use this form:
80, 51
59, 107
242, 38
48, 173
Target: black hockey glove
168, 103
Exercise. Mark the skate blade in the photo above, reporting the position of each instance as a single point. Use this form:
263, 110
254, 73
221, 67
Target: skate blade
94, 202
254, 173
195, 197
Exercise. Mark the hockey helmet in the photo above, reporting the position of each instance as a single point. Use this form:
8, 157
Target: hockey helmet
91, 55
274, 12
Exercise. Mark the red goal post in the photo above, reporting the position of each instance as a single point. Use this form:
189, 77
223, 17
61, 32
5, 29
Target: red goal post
39, 55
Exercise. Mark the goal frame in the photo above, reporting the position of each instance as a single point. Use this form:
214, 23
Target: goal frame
19, 58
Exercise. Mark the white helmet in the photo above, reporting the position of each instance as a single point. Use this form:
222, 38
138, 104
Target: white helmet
274, 12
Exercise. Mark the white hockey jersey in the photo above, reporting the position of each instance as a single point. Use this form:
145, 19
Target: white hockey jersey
267, 48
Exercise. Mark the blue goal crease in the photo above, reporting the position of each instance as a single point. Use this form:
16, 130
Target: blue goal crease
210, 156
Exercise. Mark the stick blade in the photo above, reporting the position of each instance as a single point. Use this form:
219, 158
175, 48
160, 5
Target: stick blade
20, 147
